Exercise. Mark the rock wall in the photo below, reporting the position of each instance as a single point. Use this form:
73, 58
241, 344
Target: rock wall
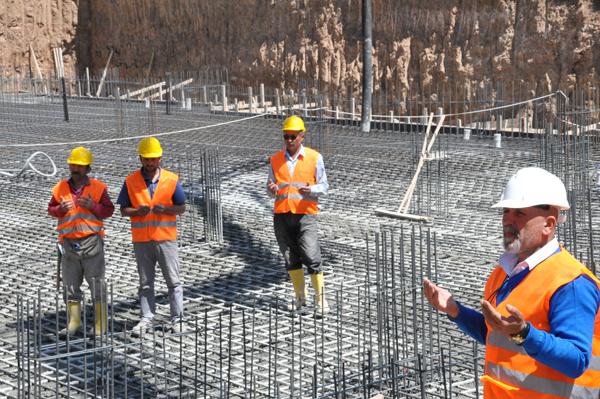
41, 24
419, 45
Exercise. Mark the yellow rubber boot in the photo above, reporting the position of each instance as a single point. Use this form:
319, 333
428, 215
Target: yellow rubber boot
297, 277
101, 319
74, 316
318, 284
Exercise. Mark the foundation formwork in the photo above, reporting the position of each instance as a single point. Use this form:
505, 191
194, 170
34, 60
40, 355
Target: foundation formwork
240, 339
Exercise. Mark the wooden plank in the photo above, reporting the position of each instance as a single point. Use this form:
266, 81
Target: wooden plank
143, 90
175, 87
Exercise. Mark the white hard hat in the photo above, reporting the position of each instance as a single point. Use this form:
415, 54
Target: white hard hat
533, 186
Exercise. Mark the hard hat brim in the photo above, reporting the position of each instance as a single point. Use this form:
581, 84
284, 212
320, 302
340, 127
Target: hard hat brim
78, 163
151, 155
512, 204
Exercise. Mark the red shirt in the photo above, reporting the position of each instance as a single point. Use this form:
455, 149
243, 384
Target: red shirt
102, 209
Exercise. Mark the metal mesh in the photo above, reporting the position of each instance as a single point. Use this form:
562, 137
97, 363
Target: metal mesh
240, 339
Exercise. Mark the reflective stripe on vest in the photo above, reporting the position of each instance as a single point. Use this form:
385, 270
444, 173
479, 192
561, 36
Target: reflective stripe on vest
152, 227
298, 196
153, 223
509, 364
79, 222
595, 363
501, 341
79, 215
79, 228
288, 198
542, 385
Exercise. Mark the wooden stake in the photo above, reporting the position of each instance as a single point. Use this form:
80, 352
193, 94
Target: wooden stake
104, 74
149, 66
36, 66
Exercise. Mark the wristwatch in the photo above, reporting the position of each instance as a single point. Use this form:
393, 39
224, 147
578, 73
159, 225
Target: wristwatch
519, 337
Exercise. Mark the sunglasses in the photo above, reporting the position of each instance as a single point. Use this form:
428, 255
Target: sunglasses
290, 136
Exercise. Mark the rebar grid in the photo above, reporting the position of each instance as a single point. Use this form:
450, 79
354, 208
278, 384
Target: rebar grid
380, 337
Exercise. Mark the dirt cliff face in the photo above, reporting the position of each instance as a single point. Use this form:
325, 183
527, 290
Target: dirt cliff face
43, 24
419, 45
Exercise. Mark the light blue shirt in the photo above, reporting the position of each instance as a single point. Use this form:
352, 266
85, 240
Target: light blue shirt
320, 176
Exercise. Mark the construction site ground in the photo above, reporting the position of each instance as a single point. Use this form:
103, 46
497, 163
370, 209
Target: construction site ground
366, 171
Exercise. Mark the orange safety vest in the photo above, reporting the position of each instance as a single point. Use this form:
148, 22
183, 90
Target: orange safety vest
509, 371
288, 197
79, 222
152, 227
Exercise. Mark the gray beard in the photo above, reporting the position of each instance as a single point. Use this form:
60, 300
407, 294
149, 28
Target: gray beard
513, 247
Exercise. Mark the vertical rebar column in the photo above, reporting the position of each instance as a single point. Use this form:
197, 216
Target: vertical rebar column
367, 78
169, 92
192, 195
119, 111
60, 74
211, 186
304, 104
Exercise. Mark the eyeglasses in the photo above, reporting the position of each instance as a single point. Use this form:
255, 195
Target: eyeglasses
290, 136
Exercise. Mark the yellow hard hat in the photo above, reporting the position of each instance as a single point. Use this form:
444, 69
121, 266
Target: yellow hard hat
149, 147
293, 123
80, 156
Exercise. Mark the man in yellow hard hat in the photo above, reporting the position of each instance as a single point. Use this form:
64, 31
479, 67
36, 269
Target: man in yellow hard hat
80, 204
152, 198
296, 180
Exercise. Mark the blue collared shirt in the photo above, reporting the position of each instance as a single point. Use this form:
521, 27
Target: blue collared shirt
320, 176
573, 307
125, 201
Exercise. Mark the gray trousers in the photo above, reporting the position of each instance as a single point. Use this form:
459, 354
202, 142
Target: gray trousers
83, 258
298, 239
165, 253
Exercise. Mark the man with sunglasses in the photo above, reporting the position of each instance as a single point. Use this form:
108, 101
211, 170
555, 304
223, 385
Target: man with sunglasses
296, 180
539, 321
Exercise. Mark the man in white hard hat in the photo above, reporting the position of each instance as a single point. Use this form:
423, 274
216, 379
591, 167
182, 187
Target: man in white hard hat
296, 180
81, 204
540, 320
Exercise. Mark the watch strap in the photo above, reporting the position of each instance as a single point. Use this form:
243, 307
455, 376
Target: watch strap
519, 337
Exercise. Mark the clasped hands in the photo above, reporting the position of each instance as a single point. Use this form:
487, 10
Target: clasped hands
84, 202
304, 190
143, 210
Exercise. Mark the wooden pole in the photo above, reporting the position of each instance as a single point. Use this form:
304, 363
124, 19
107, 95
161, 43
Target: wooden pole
149, 66
104, 74
36, 66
